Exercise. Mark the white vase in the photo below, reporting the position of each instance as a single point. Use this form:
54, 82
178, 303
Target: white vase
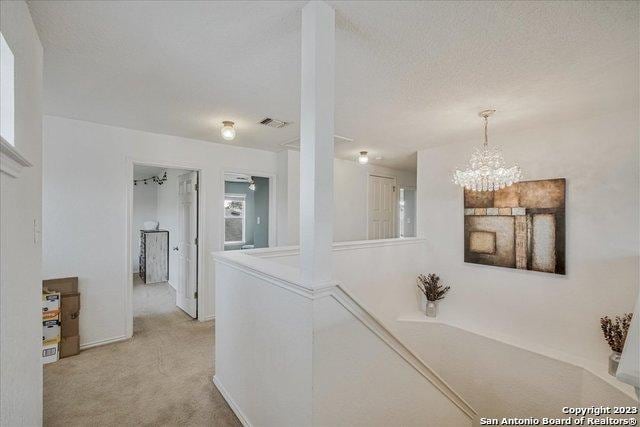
432, 308
614, 361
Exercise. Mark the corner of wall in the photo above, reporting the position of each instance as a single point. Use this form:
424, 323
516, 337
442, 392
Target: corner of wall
21, 244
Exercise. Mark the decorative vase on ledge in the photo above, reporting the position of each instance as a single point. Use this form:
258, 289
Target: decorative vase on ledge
433, 292
614, 361
615, 332
432, 309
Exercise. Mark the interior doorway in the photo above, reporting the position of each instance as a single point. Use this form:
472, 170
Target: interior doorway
248, 211
164, 241
381, 212
407, 212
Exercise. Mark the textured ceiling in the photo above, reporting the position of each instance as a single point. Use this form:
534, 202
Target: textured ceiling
409, 75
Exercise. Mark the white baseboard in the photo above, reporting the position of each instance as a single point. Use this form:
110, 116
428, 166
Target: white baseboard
207, 318
234, 407
103, 342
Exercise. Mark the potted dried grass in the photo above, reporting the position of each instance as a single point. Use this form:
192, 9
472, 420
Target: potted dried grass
432, 289
615, 332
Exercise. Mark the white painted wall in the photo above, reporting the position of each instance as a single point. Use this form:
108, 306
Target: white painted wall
382, 273
145, 208
350, 196
85, 183
599, 158
20, 206
276, 358
263, 349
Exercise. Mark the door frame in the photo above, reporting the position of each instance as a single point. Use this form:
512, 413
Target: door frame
395, 203
128, 280
273, 210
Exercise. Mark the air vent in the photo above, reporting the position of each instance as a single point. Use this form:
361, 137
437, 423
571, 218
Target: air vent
273, 123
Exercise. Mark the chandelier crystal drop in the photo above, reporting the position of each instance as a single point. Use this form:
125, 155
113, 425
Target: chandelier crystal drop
487, 171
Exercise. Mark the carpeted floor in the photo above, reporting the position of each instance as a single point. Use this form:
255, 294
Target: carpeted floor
161, 377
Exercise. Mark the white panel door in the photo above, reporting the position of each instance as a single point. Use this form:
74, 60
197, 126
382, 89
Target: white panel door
382, 207
186, 295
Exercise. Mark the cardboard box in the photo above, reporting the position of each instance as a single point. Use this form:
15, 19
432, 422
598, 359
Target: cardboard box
55, 340
70, 315
50, 301
51, 330
69, 346
60, 323
65, 285
50, 315
50, 353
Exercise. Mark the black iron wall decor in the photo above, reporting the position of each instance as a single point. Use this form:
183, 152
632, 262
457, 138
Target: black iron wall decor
156, 179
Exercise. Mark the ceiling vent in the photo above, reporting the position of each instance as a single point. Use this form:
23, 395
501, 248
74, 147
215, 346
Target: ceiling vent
337, 139
273, 123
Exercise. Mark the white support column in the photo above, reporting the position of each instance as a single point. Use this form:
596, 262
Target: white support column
316, 142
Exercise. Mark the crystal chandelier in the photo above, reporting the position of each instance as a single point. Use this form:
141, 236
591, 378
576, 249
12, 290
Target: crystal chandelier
486, 171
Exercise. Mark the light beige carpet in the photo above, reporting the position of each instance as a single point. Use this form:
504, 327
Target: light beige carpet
161, 377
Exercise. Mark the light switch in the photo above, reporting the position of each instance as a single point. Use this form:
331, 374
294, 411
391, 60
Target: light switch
258, 220
37, 231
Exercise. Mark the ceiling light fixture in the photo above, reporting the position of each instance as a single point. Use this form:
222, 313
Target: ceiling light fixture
486, 171
363, 158
228, 130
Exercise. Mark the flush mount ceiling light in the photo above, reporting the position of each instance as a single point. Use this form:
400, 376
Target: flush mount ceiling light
363, 158
228, 130
486, 171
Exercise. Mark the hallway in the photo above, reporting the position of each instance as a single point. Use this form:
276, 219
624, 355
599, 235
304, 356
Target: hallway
161, 377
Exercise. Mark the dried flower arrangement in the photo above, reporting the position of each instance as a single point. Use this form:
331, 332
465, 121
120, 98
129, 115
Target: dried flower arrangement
431, 288
615, 332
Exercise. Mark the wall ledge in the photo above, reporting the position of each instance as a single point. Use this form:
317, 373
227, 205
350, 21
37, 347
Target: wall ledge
11, 161
280, 251
598, 370
256, 262
271, 272
367, 244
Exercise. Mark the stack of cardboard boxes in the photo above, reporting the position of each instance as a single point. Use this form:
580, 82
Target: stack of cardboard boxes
50, 325
68, 320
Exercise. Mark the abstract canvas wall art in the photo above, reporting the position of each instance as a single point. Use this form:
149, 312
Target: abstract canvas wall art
521, 226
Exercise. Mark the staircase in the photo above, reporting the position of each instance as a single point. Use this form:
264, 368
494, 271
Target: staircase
289, 355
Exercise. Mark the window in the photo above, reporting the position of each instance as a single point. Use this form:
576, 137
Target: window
401, 214
234, 218
6, 92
